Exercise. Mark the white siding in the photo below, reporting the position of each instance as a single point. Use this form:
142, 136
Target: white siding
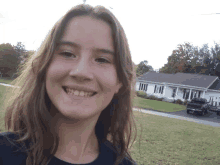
213, 95
168, 92
150, 89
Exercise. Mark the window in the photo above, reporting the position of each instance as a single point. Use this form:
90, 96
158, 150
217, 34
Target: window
158, 89
199, 94
174, 92
143, 87
186, 93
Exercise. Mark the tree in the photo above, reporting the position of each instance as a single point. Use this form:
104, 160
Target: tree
189, 59
143, 67
180, 59
9, 60
20, 51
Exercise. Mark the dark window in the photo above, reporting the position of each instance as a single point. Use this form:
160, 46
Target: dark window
199, 94
146, 87
155, 88
143, 87
184, 93
162, 89
187, 94
174, 92
191, 95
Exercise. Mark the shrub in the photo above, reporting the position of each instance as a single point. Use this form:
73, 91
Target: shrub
141, 94
178, 101
160, 99
151, 97
185, 102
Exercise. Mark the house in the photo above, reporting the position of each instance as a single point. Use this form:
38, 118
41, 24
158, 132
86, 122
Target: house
183, 86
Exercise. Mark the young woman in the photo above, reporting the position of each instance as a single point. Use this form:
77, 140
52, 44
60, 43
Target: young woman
74, 101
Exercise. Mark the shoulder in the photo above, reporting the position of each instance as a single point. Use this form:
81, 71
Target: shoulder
10, 151
109, 150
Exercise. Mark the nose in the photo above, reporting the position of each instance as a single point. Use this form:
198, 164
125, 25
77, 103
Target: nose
82, 70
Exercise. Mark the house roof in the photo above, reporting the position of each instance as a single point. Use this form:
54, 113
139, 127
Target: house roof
181, 78
215, 85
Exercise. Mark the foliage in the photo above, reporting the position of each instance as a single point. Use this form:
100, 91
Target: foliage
178, 101
142, 94
11, 57
9, 60
143, 67
185, 102
187, 58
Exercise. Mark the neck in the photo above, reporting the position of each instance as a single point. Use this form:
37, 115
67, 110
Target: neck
76, 137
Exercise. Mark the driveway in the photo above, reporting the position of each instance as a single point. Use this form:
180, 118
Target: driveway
208, 119
210, 116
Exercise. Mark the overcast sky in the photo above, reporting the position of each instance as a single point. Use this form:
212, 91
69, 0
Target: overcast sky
153, 27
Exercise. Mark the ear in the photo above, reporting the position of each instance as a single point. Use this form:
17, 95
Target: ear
119, 85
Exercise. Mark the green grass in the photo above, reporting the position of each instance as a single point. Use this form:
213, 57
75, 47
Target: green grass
172, 141
157, 105
2, 91
167, 141
6, 81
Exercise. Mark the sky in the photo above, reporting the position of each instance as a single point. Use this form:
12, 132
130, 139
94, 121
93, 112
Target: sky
153, 28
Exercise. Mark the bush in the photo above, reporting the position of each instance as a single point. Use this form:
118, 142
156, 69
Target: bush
160, 99
151, 97
141, 94
178, 101
185, 102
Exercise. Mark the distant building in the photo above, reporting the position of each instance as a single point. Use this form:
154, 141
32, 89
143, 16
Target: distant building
183, 86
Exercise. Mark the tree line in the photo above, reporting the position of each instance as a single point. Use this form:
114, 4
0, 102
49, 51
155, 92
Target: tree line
187, 58
11, 56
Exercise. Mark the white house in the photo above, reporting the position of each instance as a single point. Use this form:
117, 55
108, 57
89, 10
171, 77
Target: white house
182, 86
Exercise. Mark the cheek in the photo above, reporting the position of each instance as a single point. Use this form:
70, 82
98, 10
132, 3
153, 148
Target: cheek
55, 71
109, 76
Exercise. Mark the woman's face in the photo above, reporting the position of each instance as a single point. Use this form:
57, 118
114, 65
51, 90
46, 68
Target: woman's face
83, 63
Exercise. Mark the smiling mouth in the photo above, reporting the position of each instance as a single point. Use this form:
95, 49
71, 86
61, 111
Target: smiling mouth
65, 89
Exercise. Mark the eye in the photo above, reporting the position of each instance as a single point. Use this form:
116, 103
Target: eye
103, 60
67, 54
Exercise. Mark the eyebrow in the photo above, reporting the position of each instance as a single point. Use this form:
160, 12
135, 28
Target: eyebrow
77, 45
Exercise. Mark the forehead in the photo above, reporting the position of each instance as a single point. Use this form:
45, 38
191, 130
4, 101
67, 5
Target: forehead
88, 32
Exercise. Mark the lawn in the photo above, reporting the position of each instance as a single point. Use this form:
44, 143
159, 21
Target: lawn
157, 105
167, 141
2, 91
6, 81
172, 141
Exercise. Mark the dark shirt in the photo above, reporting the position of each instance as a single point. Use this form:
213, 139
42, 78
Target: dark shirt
12, 153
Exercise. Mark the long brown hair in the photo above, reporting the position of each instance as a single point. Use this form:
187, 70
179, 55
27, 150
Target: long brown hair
28, 107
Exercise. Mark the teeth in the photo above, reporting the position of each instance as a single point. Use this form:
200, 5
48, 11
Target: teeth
75, 93
78, 93
81, 93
